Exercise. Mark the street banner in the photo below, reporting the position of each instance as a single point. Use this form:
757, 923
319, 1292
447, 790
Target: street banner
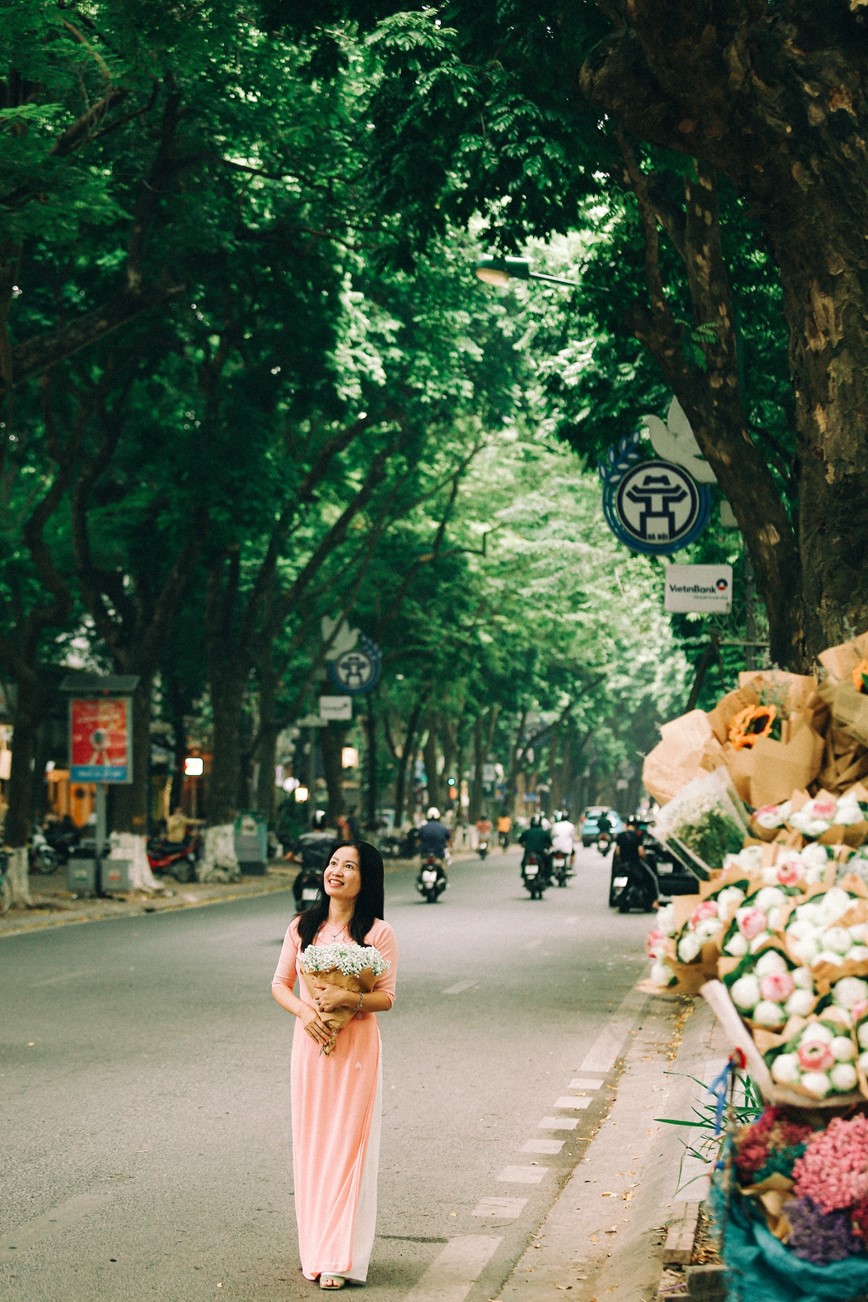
100, 740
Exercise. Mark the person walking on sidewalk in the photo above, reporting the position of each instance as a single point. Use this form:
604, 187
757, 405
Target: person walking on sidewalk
336, 1096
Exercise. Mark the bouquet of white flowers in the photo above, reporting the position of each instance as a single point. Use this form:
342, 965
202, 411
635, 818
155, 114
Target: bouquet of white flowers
353, 967
706, 821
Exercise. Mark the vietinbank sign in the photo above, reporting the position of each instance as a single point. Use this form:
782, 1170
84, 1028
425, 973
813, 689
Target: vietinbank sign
703, 588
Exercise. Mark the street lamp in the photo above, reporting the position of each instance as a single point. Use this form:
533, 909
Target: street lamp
499, 271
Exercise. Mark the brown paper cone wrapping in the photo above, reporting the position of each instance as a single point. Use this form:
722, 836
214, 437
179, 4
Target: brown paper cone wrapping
780, 766
850, 711
687, 749
791, 692
336, 1021
840, 661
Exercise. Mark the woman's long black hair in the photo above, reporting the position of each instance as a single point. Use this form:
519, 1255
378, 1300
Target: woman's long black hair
370, 902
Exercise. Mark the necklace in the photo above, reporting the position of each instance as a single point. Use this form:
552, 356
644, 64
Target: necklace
332, 933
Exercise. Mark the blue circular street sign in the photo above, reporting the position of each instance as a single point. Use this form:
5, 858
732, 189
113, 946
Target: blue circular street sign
655, 507
359, 670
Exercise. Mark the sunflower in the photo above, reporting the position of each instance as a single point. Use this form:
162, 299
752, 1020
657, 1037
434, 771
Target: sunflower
860, 677
749, 724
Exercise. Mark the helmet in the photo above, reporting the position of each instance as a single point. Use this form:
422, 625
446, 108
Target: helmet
536, 821
433, 812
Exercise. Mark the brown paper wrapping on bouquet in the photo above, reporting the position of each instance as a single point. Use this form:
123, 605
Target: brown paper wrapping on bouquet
341, 1017
853, 834
840, 661
849, 710
687, 749
790, 692
779, 767
739, 764
845, 761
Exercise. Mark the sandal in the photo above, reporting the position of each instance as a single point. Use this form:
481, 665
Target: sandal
331, 1281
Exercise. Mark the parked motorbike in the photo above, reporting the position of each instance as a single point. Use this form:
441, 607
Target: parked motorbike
560, 866
482, 847
431, 880
534, 875
42, 858
633, 885
63, 836
177, 858
400, 845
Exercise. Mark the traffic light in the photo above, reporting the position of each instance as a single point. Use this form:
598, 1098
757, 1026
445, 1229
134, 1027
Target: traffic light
453, 788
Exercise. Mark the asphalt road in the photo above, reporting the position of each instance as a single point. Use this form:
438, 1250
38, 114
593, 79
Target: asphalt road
144, 1071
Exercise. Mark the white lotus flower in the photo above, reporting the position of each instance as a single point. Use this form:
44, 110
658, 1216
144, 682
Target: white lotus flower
843, 1077
769, 962
799, 1003
817, 1032
785, 1069
768, 1014
843, 1048
850, 991
817, 1083
745, 992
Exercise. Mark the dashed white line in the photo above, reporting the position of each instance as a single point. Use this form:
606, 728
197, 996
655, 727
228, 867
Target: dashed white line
460, 987
571, 1101
543, 1146
522, 1174
558, 1123
455, 1269
583, 1083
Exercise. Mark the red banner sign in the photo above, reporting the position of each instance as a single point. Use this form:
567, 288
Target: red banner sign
99, 740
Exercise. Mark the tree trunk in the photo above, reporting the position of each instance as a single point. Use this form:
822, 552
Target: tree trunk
372, 796
478, 770
431, 752
227, 694
32, 699
403, 787
130, 806
776, 101
332, 741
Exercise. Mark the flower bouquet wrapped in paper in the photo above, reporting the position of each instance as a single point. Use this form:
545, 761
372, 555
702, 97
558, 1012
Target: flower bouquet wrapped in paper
353, 967
846, 687
687, 749
706, 821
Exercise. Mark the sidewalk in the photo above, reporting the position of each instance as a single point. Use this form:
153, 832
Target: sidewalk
606, 1236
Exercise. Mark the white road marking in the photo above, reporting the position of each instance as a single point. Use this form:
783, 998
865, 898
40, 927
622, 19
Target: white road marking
558, 1123
522, 1174
64, 976
606, 1049
454, 1270
571, 1101
460, 987
582, 1083
58, 1218
543, 1146
502, 1208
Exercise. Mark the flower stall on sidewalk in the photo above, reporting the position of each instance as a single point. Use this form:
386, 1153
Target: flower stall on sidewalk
767, 797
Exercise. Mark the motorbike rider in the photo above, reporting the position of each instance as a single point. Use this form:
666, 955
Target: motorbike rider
315, 847
434, 839
537, 840
630, 859
563, 835
483, 828
504, 827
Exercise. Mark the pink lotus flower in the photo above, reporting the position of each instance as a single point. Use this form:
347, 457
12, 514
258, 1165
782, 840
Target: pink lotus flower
789, 872
654, 942
707, 909
751, 923
777, 986
815, 1056
823, 808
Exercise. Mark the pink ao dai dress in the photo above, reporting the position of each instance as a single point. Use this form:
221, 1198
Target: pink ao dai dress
336, 1106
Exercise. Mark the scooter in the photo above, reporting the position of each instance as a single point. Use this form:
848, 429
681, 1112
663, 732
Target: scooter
177, 858
41, 857
431, 880
560, 866
639, 890
63, 836
534, 875
503, 838
482, 847
604, 843
307, 887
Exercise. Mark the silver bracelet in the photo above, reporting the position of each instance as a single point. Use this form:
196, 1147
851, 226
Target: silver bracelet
360, 1004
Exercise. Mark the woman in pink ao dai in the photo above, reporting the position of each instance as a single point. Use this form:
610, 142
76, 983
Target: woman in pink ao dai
336, 1096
